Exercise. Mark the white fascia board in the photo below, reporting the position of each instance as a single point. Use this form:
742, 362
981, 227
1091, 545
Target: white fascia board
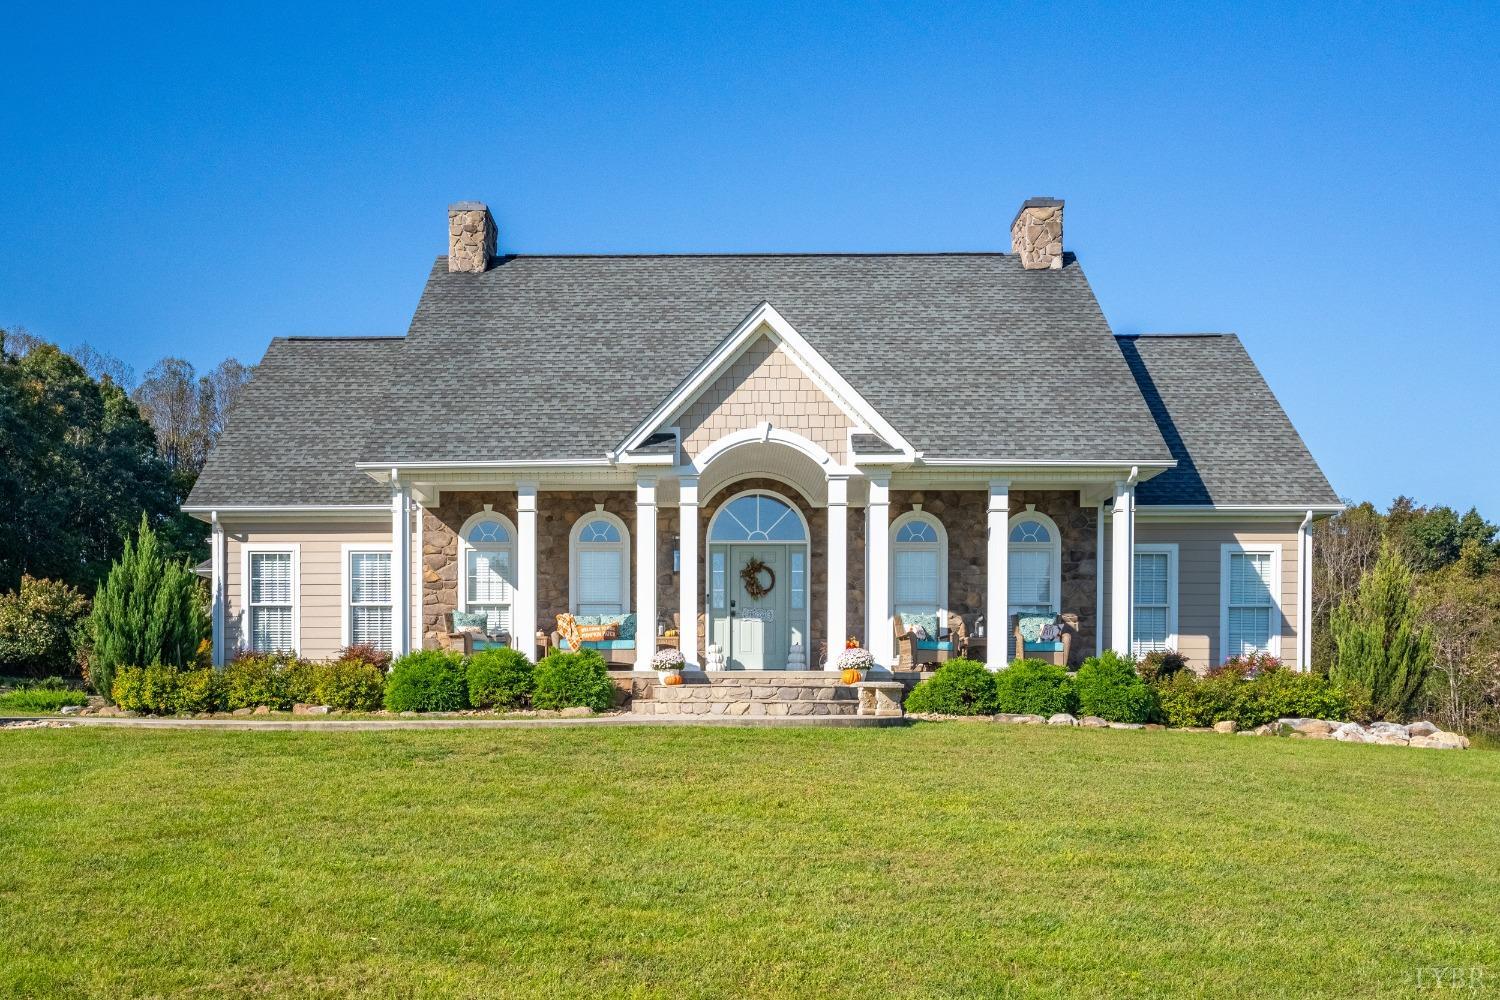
345, 512
802, 354
993, 464
1276, 511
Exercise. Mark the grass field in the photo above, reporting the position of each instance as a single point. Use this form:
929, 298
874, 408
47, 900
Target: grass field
931, 861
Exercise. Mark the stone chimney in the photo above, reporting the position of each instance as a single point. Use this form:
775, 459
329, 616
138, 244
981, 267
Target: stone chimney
1036, 234
471, 237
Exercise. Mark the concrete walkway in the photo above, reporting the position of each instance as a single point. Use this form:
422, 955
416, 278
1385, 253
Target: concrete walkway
327, 725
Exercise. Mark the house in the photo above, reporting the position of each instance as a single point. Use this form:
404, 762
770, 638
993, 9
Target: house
768, 452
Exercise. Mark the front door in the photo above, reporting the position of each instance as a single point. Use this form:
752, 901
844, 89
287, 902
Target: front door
756, 632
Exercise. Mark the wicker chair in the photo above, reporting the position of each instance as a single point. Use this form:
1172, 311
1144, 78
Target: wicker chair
912, 653
1055, 653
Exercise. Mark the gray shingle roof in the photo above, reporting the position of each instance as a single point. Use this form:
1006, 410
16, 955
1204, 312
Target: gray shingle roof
1231, 438
964, 354
297, 430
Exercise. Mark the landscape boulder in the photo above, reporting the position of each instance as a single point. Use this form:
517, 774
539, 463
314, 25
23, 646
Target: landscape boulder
1062, 719
577, 712
1093, 722
303, 709
1226, 726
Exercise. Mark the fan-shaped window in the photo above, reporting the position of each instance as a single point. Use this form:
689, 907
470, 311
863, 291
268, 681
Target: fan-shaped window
1030, 530
485, 532
919, 566
757, 517
600, 557
488, 581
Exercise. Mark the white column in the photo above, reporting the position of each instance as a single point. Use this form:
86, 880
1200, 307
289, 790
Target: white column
997, 575
400, 566
1304, 593
218, 583
1099, 583
645, 571
687, 580
1122, 567
523, 607
838, 568
879, 635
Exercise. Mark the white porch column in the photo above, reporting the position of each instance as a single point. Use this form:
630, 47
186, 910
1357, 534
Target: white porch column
997, 575
838, 568
1304, 593
523, 608
687, 579
219, 585
879, 633
1122, 567
400, 566
645, 571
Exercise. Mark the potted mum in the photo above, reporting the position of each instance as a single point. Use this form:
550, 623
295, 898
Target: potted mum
853, 662
668, 664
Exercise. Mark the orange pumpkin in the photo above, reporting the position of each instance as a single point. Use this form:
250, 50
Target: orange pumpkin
673, 677
850, 676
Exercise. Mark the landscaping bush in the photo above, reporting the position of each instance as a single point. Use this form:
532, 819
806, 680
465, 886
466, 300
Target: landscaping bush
500, 678
349, 685
1188, 700
564, 680
1382, 651
363, 652
1161, 665
1185, 699
1034, 687
429, 680
1109, 687
40, 627
40, 699
165, 690
255, 679
959, 687
1246, 665
146, 611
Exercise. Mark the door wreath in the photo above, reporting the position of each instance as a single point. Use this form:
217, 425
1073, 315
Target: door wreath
750, 577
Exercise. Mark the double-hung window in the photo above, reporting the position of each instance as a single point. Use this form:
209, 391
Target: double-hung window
1249, 616
370, 597
270, 584
1155, 618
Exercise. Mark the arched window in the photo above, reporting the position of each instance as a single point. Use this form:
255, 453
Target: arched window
919, 566
599, 557
487, 553
1035, 563
757, 517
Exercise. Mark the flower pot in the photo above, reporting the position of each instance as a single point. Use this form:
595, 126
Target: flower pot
670, 677
851, 676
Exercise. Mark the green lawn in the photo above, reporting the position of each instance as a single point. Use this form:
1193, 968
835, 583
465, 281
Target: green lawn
931, 861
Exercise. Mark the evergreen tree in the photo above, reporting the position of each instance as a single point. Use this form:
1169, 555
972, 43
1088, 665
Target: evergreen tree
1382, 653
146, 612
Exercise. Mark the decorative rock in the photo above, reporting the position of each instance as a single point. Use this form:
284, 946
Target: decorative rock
408, 714
1154, 727
1450, 741
1126, 725
1391, 728
1226, 726
1062, 719
1386, 737
1423, 728
71, 709
241, 711
1307, 726
300, 709
1093, 722
577, 712
1351, 732
261, 710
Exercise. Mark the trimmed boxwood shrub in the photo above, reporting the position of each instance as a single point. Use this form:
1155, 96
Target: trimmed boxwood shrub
565, 680
255, 679
1190, 700
349, 685
500, 678
1034, 687
428, 680
1161, 665
165, 690
1109, 688
959, 687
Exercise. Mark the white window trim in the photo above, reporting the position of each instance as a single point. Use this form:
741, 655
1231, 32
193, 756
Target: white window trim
1032, 514
349, 549
1170, 549
261, 548
464, 548
575, 544
1278, 616
942, 562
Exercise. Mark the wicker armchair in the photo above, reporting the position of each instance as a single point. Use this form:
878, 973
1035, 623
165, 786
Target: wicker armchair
912, 653
1055, 653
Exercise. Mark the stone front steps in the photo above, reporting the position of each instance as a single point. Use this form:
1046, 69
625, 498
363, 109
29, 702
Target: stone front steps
766, 694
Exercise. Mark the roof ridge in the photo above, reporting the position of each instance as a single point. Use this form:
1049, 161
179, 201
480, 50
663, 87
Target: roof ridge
337, 338
749, 253
1172, 336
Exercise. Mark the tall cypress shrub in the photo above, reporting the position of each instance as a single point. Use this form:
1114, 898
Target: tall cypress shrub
1382, 654
145, 613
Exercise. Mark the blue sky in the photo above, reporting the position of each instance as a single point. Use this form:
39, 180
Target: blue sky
195, 182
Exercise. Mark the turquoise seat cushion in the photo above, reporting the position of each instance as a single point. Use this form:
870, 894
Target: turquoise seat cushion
1044, 647
928, 623
602, 644
1031, 626
626, 623
490, 644
938, 646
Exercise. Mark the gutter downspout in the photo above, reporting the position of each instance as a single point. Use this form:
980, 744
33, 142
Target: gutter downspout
1304, 593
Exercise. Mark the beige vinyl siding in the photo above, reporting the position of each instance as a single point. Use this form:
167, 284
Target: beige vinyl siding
320, 598
1199, 544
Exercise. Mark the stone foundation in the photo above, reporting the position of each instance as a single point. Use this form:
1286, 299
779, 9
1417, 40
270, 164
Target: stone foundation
766, 694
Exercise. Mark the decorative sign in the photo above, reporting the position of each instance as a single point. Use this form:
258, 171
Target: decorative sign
765, 615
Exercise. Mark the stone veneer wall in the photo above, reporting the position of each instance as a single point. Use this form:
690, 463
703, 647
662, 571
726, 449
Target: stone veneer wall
963, 514
1036, 234
471, 237
764, 383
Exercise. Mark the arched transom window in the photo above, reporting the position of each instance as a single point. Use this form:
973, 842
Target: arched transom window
758, 517
1035, 563
600, 558
919, 566
488, 558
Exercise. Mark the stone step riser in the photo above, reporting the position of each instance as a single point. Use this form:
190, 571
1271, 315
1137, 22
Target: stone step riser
747, 708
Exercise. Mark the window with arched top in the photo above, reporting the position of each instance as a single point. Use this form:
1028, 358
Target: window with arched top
1035, 577
487, 553
919, 566
758, 517
599, 556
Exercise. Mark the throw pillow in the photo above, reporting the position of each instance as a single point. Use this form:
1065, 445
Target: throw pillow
626, 623
567, 627
470, 621
927, 623
597, 633
1031, 626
